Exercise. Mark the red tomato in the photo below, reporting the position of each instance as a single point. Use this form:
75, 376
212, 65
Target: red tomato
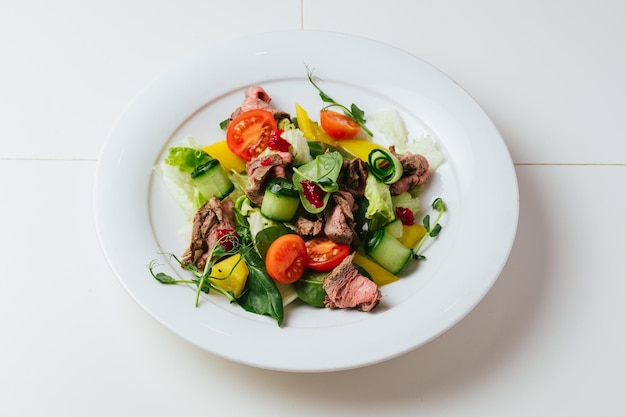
249, 132
337, 125
323, 254
285, 260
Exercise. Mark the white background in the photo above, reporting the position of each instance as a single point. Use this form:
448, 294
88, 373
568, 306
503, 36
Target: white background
547, 340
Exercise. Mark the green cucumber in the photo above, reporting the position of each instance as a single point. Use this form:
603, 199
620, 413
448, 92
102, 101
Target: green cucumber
281, 200
387, 251
211, 180
394, 228
384, 165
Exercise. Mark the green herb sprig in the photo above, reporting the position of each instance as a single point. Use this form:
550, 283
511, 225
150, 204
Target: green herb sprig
433, 231
354, 112
202, 279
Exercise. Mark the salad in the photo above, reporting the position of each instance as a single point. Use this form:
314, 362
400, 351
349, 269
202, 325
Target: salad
287, 208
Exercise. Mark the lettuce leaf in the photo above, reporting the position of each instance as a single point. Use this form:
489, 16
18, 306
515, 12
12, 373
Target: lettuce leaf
390, 124
299, 146
380, 208
175, 170
186, 159
408, 201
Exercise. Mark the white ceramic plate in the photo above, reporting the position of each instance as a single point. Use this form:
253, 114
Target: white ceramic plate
137, 219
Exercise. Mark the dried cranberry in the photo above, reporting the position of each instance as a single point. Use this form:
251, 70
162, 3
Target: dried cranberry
313, 193
266, 162
405, 215
277, 143
226, 238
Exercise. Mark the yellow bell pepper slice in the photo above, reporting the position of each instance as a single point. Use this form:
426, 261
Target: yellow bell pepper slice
305, 124
228, 160
230, 274
359, 147
379, 274
310, 129
411, 235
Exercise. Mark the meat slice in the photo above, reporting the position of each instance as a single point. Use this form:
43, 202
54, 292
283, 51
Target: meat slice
414, 171
264, 168
209, 223
255, 97
346, 288
339, 224
309, 227
353, 176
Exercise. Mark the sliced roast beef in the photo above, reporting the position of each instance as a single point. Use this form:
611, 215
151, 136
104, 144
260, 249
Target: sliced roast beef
255, 97
263, 169
346, 288
339, 218
415, 171
209, 224
353, 176
309, 227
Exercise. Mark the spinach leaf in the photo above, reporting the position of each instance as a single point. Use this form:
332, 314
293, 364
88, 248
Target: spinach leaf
266, 236
310, 289
318, 148
322, 172
260, 295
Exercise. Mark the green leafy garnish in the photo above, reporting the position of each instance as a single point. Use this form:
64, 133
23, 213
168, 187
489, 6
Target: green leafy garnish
202, 279
433, 231
354, 112
323, 171
261, 295
310, 288
187, 159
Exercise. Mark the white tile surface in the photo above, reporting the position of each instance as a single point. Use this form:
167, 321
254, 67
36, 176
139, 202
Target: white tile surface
550, 74
70, 67
548, 340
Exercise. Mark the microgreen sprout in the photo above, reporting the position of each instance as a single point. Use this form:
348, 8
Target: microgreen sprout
354, 112
202, 279
433, 231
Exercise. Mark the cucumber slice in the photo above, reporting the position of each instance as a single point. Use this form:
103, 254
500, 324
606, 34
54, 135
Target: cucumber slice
281, 200
387, 251
394, 228
211, 180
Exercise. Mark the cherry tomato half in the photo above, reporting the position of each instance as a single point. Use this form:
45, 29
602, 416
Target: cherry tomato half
286, 258
248, 133
323, 254
338, 126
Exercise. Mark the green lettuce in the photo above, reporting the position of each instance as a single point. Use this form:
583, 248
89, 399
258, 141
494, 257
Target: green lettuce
186, 159
408, 201
299, 146
176, 169
380, 206
390, 124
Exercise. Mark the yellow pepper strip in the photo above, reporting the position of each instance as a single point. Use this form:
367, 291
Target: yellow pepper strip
310, 129
411, 235
304, 123
322, 136
359, 147
228, 160
379, 274
230, 274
